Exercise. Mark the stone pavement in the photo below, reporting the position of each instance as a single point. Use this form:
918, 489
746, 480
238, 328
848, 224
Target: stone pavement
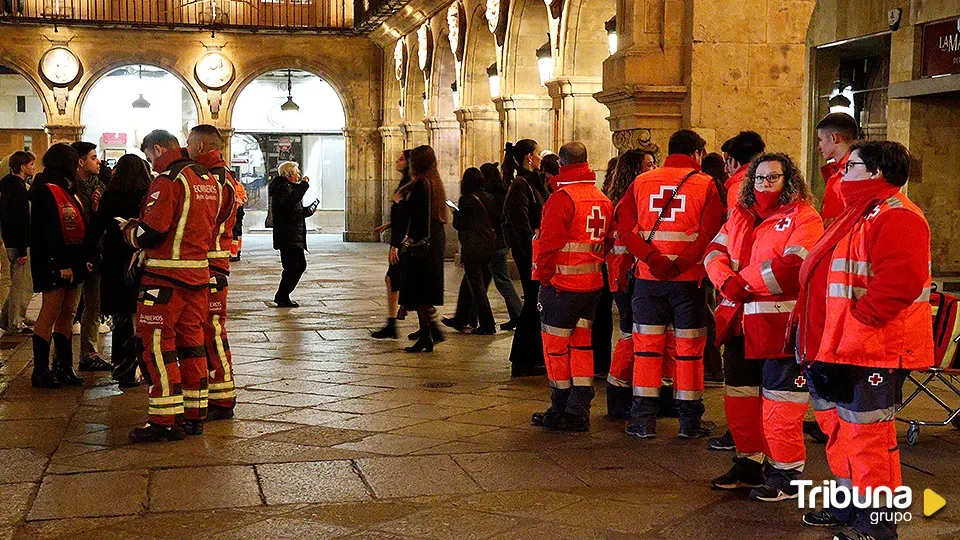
339, 435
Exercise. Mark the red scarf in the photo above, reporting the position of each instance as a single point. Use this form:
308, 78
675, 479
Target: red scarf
768, 202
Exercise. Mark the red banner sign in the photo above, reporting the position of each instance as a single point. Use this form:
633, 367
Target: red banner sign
941, 48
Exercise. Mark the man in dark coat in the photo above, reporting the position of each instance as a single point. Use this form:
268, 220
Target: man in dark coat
290, 228
15, 227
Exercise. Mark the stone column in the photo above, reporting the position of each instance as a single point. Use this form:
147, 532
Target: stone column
363, 200
444, 135
58, 133
526, 116
580, 117
414, 134
392, 139
480, 134
226, 133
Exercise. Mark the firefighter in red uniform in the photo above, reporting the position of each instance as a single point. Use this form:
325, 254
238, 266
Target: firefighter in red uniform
568, 258
670, 215
173, 231
755, 262
204, 145
863, 321
835, 133
740, 151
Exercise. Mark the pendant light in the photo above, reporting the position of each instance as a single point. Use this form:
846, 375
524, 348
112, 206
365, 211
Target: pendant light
289, 105
140, 102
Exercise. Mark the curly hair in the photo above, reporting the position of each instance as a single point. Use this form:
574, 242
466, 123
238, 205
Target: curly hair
627, 170
794, 187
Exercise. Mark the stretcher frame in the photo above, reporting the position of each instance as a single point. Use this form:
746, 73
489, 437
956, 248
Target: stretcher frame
950, 377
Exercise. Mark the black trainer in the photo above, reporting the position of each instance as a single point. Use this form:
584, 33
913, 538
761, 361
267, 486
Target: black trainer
154, 433
94, 363
821, 518
723, 443
769, 493
641, 431
705, 428
569, 422
745, 473
852, 534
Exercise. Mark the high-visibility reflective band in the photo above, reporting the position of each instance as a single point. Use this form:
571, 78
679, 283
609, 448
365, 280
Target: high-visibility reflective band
756, 308
217, 386
176, 263
672, 236
711, 256
161, 368
555, 331
721, 239
585, 323
894, 202
583, 381
184, 213
560, 385
770, 280
860, 268
161, 401
171, 411
195, 404
820, 404
646, 391
735, 264
577, 247
759, 457
786, 396
867, 417
725, 302
619, 383
690, 333
839, 290
195, 394
218, 254
649, 329
688, 395
799, 251
741, 391
924, 296
620, 250
222, 395
789, 466
626, 335
578, 269
221, 350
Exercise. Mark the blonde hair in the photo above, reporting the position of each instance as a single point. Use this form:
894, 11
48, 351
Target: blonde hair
287, 168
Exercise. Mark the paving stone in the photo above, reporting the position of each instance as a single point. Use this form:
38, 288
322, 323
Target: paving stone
21, 465
446, 523
517, 470
283, 527
318, 436
323, 481
414, 476
360, 514
313, 417
14, 503
203, 488
390, 444
95, 494
377, 422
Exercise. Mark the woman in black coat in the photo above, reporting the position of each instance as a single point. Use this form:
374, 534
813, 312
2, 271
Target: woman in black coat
290, 228
522, 211
122, 199
474, 224
422, 288
398, 231
58, 263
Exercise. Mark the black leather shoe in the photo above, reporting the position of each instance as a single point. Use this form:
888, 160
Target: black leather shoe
569, 422
413, 336
63, 361
528, 371
452, 322
193, 427
509, 325
286, 304
389, 330
43, 379
154, 433
705, 428
94, 363
219, 413
723, 443
641, 431
422, 345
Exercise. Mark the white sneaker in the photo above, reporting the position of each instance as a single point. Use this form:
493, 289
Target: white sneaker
76, 329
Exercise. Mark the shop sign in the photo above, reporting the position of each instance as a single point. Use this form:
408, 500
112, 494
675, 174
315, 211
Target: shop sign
941, 48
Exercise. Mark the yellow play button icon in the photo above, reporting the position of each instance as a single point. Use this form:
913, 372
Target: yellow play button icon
932, 502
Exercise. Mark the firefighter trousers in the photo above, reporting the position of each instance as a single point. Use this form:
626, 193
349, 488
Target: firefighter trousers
656, 306
765, 401
223, 392
566, 320
170, 326
855, 406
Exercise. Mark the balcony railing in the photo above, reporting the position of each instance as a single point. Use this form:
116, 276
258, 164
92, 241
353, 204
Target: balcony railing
312, 15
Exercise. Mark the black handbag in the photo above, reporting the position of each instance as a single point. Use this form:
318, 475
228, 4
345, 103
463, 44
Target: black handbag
420, 249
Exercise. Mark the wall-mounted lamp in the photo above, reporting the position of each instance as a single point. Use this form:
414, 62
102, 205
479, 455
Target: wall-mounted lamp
545, 62
494, 77
140, 102
289, 105
426, 104
456, 95
611, 28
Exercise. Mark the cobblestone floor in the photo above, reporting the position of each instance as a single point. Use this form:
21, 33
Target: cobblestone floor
340, 435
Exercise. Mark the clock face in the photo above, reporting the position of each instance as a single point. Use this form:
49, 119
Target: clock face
214, 70
60, 66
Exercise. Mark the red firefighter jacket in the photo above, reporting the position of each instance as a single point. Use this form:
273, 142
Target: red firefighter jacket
833, 173
174, 226
219, 257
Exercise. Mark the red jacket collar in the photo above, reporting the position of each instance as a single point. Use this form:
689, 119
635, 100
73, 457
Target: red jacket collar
681, 161
211, 159
166, 159
831, 169
578, 172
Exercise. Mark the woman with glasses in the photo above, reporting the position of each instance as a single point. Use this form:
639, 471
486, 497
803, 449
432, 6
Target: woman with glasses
755, 262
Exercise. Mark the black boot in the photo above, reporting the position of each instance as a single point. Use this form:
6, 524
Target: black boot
42, 378
424, 344
389, 331
436, 335
63, 361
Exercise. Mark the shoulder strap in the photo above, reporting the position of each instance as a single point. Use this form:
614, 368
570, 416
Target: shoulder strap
666, 206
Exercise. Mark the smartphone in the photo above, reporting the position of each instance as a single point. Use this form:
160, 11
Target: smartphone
452, 205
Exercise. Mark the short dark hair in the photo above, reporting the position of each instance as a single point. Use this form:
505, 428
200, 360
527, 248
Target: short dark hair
492, 179
712, 165
209, 133
725, 147
746, 146
61, 158
83, 148
840, 123
572, 153
550, 164
889, 158
20, 158
472, 181
687, 142
160, 137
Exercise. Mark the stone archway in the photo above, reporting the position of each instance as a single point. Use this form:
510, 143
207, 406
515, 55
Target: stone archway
442, 127
24, 109
525, 106
481, 138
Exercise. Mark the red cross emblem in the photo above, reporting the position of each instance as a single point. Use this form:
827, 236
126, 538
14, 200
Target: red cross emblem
875, 379
800, 381
596, 224
783, 224
677, 206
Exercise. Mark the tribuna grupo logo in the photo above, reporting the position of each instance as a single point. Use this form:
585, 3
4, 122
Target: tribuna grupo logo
887, 504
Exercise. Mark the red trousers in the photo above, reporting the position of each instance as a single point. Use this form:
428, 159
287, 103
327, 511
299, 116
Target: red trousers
223, 392
170, 325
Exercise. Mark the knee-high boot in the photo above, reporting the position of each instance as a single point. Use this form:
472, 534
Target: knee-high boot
63, 361
42, 377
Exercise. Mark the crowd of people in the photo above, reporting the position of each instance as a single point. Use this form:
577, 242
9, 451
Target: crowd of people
702, 253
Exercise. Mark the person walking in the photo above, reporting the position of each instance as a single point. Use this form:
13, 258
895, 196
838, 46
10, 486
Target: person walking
15, 228
290, 228
58, 264
499, 271
122, 199
422, 288
474, 225
754, 261
398, 231
522, 211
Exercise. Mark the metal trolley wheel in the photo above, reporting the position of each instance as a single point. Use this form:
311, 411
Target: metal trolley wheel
913, 433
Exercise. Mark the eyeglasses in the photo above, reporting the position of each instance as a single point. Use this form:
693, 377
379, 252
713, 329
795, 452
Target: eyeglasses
772, 178
851, 164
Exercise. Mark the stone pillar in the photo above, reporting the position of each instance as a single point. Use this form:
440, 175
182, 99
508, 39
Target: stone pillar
580, 117
444, 135
63, 133
414, 134
363, 189
392, 139
526, 116
480, 136
226, 133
